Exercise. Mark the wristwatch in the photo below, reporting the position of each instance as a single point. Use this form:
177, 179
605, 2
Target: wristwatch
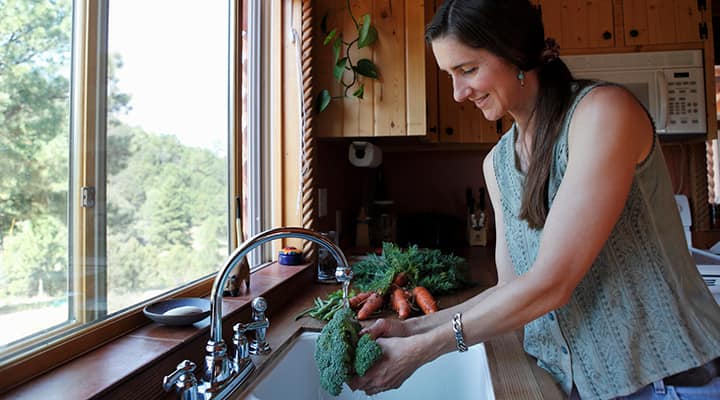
458, 329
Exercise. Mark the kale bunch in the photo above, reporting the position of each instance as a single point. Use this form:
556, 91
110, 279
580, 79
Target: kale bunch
340, 353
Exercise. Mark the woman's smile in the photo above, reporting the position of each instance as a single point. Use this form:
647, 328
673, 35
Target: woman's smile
479, 101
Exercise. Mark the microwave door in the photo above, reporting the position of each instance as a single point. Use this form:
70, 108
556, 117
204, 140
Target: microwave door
643, 84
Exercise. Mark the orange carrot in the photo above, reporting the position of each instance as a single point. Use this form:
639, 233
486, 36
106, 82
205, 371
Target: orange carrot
373, 303
399, 300
400, 279
425, 300
358, 299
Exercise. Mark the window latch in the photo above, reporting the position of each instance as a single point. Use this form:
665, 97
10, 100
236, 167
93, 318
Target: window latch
88, 197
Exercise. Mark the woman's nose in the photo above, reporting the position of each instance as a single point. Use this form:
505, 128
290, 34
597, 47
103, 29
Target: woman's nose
460, 91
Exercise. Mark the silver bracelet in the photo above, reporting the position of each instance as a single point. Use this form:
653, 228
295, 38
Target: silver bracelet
458, 329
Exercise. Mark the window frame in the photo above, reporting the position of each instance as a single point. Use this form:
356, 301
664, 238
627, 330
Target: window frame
80, 334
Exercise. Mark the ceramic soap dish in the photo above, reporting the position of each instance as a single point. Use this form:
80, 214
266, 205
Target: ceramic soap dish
178, 312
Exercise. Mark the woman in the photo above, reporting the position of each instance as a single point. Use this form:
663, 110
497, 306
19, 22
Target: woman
590, 251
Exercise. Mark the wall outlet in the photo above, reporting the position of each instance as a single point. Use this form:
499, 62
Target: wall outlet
322, 202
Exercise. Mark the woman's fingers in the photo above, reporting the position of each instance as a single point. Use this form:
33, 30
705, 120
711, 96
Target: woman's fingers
376, 329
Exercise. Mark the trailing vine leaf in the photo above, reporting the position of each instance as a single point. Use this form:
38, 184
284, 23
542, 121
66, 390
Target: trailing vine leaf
343, 61
323, 100
367, 68
359, 92
367, 34
337, 48
339, 69
323, 24
330, 37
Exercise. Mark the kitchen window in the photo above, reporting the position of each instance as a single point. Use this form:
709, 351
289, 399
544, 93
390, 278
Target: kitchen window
120, 131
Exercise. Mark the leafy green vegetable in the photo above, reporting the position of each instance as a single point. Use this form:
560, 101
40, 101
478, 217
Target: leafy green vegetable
367, 352
325, 309
437, 272
339, 352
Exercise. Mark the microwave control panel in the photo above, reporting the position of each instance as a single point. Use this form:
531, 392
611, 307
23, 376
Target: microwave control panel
686, 100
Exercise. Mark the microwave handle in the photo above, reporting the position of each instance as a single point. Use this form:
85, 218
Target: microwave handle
663, 98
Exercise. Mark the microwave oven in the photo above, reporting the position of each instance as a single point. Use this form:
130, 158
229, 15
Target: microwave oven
670, 84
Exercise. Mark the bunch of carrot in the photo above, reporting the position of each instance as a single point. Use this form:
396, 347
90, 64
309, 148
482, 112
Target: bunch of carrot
401, 299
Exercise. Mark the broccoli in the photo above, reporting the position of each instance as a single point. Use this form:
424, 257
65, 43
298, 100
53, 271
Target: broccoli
366, 353
339, 353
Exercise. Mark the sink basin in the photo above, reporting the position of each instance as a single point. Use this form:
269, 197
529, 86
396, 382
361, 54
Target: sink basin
456, 376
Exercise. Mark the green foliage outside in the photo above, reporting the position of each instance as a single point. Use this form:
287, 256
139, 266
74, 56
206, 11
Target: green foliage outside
166, 203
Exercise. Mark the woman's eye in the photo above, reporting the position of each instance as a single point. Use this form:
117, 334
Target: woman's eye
469, 70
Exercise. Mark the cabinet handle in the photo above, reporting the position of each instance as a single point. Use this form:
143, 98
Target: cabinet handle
433, 129
634, 33
449, 131
607, 35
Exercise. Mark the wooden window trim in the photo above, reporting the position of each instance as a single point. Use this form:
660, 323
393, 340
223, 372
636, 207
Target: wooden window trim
55, 349
58, 352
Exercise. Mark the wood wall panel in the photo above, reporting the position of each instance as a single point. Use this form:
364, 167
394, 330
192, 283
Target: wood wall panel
359, 119
415, 67
389, 90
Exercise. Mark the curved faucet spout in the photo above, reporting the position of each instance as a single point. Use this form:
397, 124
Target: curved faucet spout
343, 273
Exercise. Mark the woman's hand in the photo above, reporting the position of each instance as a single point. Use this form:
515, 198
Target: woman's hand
386, 328
401, 357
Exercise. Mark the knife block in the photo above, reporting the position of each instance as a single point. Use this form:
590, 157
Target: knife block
476, 229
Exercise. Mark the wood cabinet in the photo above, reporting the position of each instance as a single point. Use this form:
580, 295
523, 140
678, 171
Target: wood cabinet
661, 21
412, 98
393, 105
597, 24
579, 24
462, 122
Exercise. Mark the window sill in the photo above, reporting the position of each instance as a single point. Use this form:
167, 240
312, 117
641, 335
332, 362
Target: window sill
132, 366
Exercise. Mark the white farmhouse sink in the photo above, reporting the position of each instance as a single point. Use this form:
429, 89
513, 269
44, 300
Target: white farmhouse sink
456, 376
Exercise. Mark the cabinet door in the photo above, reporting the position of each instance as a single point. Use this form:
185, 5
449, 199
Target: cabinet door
461, 122
578, 24
660, 21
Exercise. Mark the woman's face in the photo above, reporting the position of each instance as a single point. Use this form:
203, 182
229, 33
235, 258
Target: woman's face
479, 76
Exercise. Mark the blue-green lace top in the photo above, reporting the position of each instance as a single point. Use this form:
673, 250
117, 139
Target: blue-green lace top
642, 312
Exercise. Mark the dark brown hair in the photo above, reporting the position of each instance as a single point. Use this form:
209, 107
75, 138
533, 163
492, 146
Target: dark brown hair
513, 30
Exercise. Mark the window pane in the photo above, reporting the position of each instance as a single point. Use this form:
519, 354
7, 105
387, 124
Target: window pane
167, 145
35, 67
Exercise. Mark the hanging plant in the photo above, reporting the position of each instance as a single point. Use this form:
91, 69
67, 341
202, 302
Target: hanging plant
343, 61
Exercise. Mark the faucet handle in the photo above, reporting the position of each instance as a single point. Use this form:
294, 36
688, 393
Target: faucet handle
259, 344
259, 305
183, 379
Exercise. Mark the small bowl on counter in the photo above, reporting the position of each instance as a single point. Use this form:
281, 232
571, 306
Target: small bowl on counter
178, 312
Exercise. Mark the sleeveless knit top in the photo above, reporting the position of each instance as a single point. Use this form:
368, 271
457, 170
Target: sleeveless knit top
642, 312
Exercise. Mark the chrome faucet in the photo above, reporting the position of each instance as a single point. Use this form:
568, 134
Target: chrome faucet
223, 374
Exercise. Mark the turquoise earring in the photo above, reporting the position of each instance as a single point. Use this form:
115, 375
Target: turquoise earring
521, 78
